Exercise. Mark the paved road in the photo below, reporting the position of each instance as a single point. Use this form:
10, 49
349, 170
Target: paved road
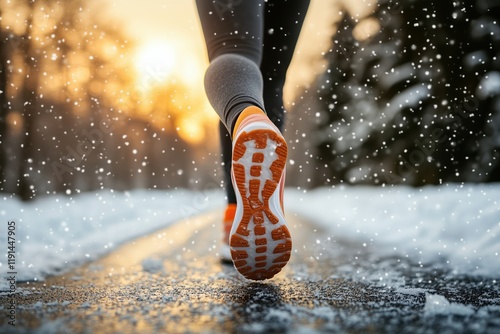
172, 282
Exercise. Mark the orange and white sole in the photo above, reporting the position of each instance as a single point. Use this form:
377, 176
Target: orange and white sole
259, 240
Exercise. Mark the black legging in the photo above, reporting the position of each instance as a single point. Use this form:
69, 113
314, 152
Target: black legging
250, 45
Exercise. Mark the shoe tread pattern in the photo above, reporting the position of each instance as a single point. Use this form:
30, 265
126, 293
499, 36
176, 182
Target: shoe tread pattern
261, 245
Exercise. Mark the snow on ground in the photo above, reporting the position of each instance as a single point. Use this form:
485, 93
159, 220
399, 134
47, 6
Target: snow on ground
437, 304
457, 223
56, 233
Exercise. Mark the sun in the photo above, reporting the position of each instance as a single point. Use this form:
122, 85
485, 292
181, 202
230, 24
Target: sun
169, 80
155, 61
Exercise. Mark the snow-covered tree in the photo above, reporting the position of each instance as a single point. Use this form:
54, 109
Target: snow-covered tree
416, 102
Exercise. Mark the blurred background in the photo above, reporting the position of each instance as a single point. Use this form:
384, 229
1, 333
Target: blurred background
109, 94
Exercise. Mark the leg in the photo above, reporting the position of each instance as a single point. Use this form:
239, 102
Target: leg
259, 239
226, 155
282, 24
233, 34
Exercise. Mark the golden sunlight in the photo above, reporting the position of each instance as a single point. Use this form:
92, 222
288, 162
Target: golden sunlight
154, 63
169, 76
191, 129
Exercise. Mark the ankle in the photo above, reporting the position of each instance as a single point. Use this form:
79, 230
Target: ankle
252, 110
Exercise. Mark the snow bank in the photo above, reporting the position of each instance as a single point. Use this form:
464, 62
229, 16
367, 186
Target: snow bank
56, 233
457, 223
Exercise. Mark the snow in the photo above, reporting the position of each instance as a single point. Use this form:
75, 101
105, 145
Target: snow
408, 98
489, 85
456, 223
437, 304
55, 233
459, 224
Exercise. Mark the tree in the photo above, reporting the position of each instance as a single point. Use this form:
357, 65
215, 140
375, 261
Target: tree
29, 109
4, 108
77, 122
415, 103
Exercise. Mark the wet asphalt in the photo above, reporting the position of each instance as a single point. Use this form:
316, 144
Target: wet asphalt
172, 281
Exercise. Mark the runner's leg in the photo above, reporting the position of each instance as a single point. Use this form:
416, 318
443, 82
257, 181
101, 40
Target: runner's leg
282, 24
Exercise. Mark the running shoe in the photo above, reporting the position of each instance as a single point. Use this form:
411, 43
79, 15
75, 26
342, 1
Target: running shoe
259, 239
227, 222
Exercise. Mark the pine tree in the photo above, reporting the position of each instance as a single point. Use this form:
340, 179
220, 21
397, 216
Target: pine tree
418, 102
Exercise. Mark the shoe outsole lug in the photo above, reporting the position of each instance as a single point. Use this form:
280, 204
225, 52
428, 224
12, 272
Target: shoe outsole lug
260, 242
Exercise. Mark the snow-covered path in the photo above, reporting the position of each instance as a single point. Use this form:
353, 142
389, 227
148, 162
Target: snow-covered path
171, 281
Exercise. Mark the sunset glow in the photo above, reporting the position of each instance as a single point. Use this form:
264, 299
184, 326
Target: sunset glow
191, 129
169, 76
154, 63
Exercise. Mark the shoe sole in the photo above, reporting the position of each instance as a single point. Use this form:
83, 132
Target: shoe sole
260, 241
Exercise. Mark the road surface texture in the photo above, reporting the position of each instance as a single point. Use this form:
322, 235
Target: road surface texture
172, 281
